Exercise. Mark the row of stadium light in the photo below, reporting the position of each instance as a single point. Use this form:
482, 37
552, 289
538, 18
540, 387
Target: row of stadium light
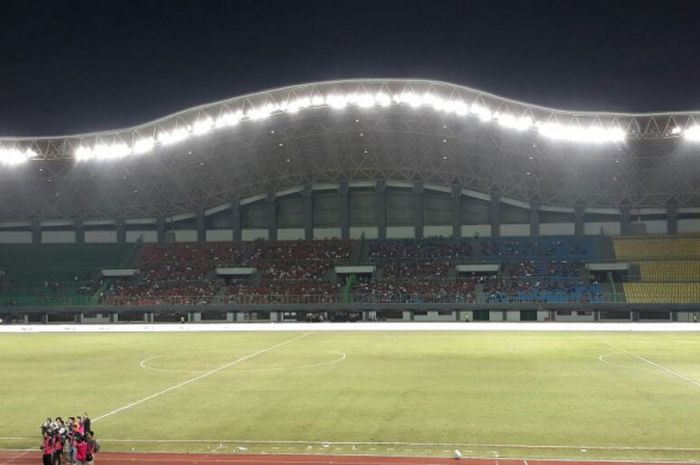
590, 134
551, 130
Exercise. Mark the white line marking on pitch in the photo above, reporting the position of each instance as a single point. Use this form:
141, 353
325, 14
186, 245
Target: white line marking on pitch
660, 367
399, 443
604, 358
197, 378
342, 356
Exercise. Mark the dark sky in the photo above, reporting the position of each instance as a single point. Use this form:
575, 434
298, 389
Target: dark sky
74, 66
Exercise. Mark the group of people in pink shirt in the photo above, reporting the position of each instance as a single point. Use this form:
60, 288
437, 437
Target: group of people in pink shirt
70, 441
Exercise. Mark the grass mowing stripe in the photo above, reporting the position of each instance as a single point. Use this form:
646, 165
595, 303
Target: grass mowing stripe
197, 378
660, 367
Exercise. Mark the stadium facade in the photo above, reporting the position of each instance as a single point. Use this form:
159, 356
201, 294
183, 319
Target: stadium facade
391, 158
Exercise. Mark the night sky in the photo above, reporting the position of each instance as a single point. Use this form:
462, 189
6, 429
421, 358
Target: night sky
76, 66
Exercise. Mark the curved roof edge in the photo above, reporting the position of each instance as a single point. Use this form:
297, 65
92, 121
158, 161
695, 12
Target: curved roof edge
359, 82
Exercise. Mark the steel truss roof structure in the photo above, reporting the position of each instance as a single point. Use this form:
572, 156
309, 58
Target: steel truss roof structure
653, 167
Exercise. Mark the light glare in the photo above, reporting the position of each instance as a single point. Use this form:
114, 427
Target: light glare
15, 156
692, 134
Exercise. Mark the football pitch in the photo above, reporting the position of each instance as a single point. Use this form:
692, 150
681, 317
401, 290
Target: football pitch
489, 394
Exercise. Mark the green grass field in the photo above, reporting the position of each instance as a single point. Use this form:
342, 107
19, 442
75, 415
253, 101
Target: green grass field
522, 394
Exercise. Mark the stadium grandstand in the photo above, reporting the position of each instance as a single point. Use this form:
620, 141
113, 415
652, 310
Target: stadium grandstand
356, 200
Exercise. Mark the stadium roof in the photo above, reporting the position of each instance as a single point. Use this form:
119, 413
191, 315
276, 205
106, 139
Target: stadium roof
354, 130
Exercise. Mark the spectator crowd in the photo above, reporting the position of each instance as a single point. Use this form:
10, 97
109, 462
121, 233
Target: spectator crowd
531, 270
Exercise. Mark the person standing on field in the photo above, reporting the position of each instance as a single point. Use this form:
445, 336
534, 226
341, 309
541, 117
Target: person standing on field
57, 447
81, 451
47, 448
93, 446
86, 422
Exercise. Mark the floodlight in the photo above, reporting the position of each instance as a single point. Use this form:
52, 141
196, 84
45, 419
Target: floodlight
262, 112
480, 111
692, 134
144, 145
365, 100
383, 99
228, 119
336, 101
15, 156
203, 126
173, 136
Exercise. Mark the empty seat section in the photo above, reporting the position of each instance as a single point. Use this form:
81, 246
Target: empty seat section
656, 248
662, 292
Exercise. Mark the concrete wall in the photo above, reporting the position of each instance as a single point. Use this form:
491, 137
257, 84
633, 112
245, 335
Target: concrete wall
371, 232
433, 315
688, 225
58, 237
575, 316
185, 235
656, 226
148, 236
290, 234
219, 235
400, 232
15, 237
512, 316
101, 237
99, 318
557, 229
437, 231
515, 230
609, 228
327, 233
471, 230
253, 234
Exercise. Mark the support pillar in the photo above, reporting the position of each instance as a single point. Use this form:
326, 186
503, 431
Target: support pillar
672, 217
201, 226
79, 231
236, 220
380, 208
114, 317
495, 213
579, 218
120, 226
456, 211
534, 218
419, 218
36, 232
272, 216
160, 229
307, 193
344, 209
626, 219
